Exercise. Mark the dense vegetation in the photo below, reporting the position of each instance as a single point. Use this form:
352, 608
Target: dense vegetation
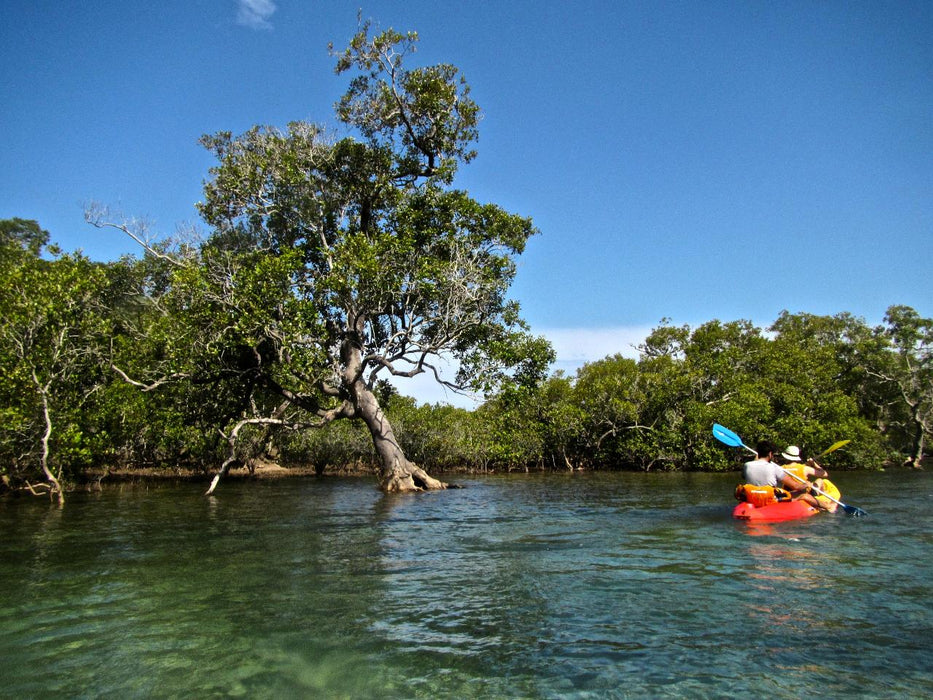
333, 263
73, 331
338, 258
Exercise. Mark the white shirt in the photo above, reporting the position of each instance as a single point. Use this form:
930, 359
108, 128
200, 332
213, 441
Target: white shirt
761, 472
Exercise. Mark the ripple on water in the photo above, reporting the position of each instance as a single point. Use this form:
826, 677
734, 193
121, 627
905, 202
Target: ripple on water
529, 586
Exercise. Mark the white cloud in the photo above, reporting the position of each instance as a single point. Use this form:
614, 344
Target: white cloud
574, 348
577, 346
255, 14
425, 389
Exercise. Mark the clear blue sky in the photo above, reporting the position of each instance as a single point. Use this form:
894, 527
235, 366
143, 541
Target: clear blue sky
689, 160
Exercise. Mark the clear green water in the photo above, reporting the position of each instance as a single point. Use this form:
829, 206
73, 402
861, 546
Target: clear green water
539, 586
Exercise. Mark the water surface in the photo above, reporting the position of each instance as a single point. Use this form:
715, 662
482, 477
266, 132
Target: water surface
530, 586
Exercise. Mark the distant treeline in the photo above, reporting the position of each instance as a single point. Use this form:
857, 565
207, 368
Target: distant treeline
77, 339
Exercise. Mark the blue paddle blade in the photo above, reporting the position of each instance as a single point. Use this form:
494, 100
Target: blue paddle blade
726, 436
853, 510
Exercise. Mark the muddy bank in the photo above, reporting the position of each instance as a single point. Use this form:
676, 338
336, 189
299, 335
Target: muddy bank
265, 470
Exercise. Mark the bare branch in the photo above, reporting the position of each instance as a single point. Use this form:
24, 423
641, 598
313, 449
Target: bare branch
137, 229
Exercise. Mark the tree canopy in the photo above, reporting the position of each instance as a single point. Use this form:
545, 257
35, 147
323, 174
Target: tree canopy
154, 362
334, 263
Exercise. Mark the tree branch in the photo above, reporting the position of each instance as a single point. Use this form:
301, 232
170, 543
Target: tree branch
148, 387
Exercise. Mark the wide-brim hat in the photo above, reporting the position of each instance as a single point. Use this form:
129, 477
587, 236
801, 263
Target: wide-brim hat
792, 453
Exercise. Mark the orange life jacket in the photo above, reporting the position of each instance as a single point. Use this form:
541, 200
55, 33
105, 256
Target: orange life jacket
761, 495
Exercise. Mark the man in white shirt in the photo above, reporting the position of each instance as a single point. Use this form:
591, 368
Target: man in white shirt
764, 472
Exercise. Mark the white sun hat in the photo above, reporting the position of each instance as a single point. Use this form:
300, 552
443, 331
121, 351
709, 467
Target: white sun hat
792, 453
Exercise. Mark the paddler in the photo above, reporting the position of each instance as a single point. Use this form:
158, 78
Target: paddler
767, 482
804, 471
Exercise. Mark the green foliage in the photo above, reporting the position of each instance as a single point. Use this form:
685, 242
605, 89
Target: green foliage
425, 113
332, 264
208, 344
19, 236
512, 437
810, 380
336, 261
438, 437
898, 363
52, 330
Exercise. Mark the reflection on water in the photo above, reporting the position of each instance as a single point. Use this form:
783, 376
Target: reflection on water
782, 565
611, 585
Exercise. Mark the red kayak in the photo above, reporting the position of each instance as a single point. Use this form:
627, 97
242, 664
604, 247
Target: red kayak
774, 512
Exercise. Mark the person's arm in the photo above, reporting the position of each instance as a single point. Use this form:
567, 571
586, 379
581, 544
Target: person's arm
814, 469
792, 484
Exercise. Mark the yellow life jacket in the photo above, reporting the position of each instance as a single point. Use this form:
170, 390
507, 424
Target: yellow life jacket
761, 495
830, 489
797, 469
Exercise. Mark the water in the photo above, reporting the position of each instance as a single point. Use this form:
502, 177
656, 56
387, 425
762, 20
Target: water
537, 586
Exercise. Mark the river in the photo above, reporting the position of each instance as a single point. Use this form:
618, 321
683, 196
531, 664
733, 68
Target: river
609, 585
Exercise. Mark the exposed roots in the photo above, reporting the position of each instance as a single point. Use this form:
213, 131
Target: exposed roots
408, 478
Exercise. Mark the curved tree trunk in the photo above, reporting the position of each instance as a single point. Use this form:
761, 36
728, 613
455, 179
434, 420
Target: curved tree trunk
55, 486
398, 474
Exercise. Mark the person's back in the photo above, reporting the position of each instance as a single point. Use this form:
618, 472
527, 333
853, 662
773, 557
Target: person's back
762, 471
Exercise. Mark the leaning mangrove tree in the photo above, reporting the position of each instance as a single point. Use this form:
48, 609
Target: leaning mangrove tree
334, 262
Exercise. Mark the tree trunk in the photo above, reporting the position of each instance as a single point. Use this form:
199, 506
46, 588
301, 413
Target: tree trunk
915, 461
398, 474
55, 486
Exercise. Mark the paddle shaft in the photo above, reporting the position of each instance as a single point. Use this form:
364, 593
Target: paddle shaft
812, 486
851, 510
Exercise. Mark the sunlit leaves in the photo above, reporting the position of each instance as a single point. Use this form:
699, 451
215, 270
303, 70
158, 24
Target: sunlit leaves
809, 380
387, 256
424, 114
52, 331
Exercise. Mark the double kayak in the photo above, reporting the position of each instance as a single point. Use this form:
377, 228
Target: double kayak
774, 512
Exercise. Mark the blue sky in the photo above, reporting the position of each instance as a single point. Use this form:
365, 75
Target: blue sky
687, 160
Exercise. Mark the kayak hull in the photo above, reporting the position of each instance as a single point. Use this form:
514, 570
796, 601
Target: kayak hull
774, 512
